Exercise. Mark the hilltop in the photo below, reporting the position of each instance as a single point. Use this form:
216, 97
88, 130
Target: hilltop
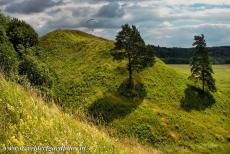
168, 115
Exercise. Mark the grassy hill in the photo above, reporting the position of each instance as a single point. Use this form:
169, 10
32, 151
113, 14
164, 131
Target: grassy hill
26, 120
169, 114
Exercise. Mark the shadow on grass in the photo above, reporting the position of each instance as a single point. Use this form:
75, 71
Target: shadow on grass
196, 99
115, 105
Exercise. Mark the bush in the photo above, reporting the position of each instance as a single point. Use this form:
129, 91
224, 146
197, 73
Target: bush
36, 71
137, 93
144, 133
19, 32
3, 20
8, 56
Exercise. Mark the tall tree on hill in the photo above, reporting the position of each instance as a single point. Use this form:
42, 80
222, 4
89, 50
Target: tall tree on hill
201, 68
130, 45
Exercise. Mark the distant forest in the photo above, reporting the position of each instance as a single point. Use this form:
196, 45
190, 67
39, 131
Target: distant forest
218, 55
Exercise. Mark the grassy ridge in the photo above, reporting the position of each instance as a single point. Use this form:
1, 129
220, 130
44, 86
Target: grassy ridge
26, 120
89, 81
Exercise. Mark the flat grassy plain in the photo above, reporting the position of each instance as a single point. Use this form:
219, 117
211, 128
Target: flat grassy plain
221, 74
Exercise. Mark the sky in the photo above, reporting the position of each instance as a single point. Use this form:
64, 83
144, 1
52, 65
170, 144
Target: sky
169, 23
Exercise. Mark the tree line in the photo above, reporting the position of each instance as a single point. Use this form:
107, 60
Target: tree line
219, 55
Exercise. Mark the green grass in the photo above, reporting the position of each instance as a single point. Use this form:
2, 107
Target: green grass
89, 82
26, 120
221, 74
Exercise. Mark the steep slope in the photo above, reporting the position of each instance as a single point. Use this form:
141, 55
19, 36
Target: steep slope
26, 120
169, 115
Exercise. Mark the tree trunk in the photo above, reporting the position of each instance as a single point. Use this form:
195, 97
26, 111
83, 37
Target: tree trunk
203, 81
203, 86
130, 72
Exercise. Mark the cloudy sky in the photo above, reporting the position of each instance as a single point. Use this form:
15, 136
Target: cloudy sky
171, 23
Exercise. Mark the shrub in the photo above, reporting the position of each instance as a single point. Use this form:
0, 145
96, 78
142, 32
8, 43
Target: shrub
144, 133
19, 32
36, 71
8, 56
3, 20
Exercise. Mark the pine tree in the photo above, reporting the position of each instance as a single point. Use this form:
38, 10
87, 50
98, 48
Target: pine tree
130, 45
201, 68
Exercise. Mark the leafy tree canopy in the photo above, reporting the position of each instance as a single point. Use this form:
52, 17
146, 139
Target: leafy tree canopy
19, 32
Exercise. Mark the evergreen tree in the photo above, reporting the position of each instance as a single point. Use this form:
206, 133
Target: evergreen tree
201, 68
130, 45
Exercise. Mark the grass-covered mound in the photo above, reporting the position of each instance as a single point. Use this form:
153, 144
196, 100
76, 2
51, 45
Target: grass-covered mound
91, 82
26, 120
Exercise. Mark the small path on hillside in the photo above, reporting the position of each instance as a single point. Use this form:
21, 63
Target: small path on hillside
164, 119
165, 123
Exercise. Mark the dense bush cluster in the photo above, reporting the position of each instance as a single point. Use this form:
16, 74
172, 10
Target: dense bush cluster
22, 33
8, 57
36, 72
18, 42
9, 61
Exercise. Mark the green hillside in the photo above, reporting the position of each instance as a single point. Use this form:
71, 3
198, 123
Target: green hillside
169, 114
26, 120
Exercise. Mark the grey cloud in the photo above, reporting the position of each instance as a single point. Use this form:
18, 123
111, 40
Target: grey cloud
83, 12
159, 23
111, 10
103, 23
71, 22
3, 2
55, 11
32, 6
183, 36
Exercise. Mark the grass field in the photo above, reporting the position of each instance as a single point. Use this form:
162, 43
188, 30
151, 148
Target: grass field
171, 116
221, 74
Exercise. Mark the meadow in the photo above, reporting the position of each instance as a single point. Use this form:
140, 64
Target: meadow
221, 74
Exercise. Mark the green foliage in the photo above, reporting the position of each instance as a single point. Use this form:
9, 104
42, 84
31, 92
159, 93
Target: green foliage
129, 45
175, 55
37, 72
3, 37
3, 20
201, 68
144, 133
8, 56
137, 93
19, 32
